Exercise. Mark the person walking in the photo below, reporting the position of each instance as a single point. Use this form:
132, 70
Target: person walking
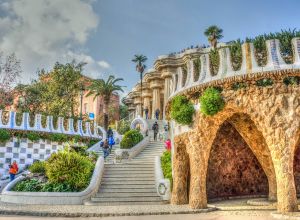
111, 142
157, 111
155, 129
168, 145
105, 149
147, 112
110, 132
13, 170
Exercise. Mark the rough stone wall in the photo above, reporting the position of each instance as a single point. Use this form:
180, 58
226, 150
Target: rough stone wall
297, 169
275, 112
233, 170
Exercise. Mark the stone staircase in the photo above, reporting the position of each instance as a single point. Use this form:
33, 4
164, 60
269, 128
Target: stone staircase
131, 183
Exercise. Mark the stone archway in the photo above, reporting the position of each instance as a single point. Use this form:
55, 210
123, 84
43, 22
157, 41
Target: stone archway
275, 112
296, 167
233, 169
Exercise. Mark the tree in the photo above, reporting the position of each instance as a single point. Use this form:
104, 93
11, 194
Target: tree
63, 86
214, 33
140, 67
10, 70
123, 111
105, 89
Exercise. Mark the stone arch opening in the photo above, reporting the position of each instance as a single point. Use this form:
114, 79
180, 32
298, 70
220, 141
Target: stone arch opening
233, 169
296, 166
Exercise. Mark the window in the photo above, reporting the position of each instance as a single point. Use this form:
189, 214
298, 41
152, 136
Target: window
16, 144
85, 108
42, 146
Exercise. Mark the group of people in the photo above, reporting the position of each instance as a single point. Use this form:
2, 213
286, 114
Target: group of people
108, 143
157, 112
155, 128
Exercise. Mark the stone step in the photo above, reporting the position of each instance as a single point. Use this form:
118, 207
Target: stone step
134, 175
129, 182
129, 172
94, 203
125, 195
132, 178
131, 165
129, 168
129, 186
127, 199
127, 190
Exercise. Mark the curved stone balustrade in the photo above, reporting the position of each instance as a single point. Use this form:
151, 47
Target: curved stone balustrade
249, 65
25, 125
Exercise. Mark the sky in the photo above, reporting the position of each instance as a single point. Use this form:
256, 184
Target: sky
106, 34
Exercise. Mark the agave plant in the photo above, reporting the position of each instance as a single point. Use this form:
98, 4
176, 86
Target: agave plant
236, 54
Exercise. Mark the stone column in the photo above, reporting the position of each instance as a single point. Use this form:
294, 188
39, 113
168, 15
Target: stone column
146, 102
155, 100
180, 173
167, 76
137, 103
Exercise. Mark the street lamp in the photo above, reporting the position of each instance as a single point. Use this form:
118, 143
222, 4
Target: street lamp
81, 99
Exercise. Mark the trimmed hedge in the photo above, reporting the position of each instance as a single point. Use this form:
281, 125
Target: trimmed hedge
182, 110
130, 139
211, 101
166, 166
6, 134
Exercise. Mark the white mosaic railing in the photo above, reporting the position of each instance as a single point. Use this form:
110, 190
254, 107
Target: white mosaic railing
274, 62
25, 125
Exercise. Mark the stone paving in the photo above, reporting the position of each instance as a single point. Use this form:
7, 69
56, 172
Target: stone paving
126, 210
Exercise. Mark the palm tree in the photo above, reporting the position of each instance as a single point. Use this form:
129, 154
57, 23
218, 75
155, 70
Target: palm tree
140, 67
105, 89
214, 33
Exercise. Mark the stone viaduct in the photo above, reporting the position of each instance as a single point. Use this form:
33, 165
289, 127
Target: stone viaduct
252, 146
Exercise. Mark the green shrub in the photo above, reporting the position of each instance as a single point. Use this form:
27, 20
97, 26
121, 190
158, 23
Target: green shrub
166, 165
58, 137
291, 80
214, 61
264, 82
56, 187
4, 136
38, 167
238, 85
29, 185
130, 139
182, 110
123, 127
33, 136
211, 101
69, 168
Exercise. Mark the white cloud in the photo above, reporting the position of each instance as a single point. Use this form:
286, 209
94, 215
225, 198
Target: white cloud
42, 32
103, 64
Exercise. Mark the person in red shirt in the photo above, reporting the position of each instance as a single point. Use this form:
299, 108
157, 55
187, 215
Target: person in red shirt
13, 170
168, 144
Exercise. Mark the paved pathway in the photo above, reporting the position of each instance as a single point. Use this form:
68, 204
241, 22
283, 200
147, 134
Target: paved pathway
220, 215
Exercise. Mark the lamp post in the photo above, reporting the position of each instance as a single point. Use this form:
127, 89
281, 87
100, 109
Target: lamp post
81, 99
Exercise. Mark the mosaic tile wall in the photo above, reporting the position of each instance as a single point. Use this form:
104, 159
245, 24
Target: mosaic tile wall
25, 152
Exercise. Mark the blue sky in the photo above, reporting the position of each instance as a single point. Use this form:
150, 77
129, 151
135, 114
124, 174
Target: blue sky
110, 32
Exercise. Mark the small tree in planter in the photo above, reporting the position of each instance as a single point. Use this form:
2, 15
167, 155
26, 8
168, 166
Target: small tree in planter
182, 110
211, 101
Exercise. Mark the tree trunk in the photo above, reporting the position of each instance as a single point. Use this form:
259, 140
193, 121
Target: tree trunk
105, 113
